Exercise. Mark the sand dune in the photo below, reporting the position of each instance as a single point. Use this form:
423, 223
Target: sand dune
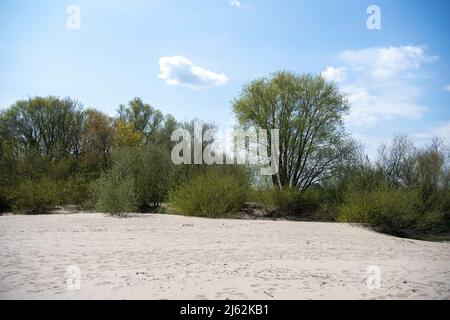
174, 257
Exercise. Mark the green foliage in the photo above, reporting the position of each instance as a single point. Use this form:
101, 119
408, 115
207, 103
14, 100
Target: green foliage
53, 139
96, 140
386, 210
143, 118
50, 126
52, 152
75, 190
35, 196
396, 211
288, 201
151, 171
432, 223
4, 203
115, 193
406, 193
212, 193
4, 174
307, 110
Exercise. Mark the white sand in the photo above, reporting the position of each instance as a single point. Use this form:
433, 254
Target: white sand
173, 257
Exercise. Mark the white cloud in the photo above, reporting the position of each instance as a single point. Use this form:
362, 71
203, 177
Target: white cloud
387, 63
368, 109
177, 70
235, 3
381, 83
440, 130
335, 74
447, 87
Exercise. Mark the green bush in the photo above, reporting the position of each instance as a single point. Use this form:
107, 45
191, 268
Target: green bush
115, 194
150, 169
369, 197
287, 201
211, 193
4, 204
35, 196
432, 223
75, 190
139, 179
385, 210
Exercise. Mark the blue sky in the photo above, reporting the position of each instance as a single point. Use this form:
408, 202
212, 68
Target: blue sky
191, 58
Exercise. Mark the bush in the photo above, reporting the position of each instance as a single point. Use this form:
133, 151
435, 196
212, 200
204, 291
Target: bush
75, 190
35, 196
385, 210
432, 223
4, 204
139, 179
150, 168
211, 193
115, 194
287, 201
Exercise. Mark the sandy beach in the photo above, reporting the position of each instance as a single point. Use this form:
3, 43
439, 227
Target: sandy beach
176, 257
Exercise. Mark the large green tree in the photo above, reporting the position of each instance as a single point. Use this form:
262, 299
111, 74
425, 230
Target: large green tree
49, 126
308, 111
97, 138
144, 118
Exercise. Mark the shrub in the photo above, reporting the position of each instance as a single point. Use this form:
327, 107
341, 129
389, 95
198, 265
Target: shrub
4, 204
150, 168
404, 194
75, 190
115, 193
432, 223
211, 193
35, 196
386, 210
139, 179
288, 200
359, 178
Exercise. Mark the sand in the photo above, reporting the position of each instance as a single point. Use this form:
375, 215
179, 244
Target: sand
175, 257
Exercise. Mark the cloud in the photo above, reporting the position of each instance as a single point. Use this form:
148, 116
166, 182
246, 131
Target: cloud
368, 109
447, 88
388, 63
235, 3
335, 74
382, 83
180, 71
441, 130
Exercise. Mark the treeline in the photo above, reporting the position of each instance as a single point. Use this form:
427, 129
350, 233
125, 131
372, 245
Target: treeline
55, 152
405, 192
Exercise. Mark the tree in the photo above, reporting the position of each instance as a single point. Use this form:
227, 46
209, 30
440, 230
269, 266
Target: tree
49, 126
143, 117
164, 138
125, 135
308, 112
97, 138
5, 166
397, 161
150, 170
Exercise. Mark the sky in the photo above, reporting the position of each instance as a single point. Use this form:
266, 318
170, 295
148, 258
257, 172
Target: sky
192, 58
